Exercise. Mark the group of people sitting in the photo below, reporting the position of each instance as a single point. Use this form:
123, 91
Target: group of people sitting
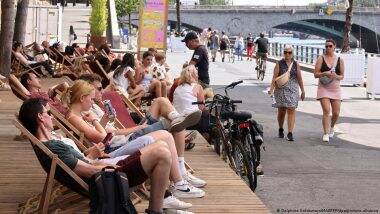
154, 149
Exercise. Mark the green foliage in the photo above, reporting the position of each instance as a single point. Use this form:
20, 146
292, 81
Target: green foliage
98, 17
126, 7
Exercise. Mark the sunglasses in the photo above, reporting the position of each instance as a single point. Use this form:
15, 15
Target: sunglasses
99, 88
48, 112
288, 52
329, 46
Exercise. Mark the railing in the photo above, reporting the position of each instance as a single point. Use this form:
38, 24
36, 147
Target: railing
302, 53
279, 8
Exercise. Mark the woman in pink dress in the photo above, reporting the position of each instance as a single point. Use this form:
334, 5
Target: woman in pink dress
329, 69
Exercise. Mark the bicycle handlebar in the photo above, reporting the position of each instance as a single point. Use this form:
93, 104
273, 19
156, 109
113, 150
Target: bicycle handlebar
217, 101
234, 84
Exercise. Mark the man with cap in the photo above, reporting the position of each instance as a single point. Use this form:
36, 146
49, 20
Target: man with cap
199, 58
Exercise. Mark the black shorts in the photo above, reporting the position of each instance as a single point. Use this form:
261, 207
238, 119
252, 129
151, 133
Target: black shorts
132, 167
223, 46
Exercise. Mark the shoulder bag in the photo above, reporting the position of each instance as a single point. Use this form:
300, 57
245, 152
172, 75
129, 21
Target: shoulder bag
283, 79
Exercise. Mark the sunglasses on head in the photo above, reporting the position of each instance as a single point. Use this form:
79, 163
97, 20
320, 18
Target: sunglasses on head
288, 52
329, 46
48, 112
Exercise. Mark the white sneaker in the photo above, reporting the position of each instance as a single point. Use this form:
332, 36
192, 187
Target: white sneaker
182, 122
174, 211
332, 132
172, 202
197, 182
186, 190
326, 138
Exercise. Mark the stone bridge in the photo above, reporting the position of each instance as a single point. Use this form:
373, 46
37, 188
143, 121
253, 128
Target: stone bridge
245, 19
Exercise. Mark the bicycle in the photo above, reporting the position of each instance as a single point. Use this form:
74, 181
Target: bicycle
231, 134
261, 67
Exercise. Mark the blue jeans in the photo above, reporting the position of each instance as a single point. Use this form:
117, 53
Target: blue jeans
153, 125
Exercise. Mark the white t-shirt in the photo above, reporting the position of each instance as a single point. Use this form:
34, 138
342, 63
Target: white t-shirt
184, 97
121, 82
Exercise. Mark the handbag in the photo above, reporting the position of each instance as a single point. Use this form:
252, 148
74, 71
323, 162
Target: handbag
283, 79
327, 80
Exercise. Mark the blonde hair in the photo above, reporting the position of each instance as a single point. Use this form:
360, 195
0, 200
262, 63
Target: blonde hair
76, 91
187, 75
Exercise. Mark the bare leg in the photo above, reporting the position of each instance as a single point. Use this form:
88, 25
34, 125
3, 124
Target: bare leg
281, 112
155, 87
156, 162
161, 107
164, 89
179, 138
335, 105
325, 103
291, 118
175, 174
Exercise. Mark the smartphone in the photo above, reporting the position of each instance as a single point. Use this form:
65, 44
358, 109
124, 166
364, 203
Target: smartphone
107, 139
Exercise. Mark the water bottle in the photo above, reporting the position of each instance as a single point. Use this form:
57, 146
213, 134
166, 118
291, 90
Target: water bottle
111, 113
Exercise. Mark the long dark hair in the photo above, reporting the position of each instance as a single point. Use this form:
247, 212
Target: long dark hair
128, 61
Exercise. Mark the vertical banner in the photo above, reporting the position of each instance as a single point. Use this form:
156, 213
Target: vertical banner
153, 19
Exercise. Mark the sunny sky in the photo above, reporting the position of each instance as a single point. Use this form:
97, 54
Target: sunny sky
276, 2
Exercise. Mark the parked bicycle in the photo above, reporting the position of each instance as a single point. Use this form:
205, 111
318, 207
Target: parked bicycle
235, 136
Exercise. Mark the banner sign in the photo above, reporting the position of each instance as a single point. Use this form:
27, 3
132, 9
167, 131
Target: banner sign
153, 19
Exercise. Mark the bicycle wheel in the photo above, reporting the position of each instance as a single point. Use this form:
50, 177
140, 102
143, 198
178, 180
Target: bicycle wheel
216, 139
258, 68
243, 166
253, 157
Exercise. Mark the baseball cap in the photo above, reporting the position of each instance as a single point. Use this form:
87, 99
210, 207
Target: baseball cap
189, 36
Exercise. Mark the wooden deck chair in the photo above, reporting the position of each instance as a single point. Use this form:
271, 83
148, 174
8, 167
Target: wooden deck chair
56, 170
121, 109
19, 68
79, 138
97, 68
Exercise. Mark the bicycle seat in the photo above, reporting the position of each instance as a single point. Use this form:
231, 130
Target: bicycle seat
239, 116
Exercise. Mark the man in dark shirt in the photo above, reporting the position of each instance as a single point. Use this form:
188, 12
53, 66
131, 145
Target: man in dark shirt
262, 48
199, 58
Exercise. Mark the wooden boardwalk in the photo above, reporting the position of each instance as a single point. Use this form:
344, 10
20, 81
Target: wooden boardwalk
21, 175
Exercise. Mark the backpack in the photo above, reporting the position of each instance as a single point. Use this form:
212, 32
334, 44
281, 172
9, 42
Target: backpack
109, 193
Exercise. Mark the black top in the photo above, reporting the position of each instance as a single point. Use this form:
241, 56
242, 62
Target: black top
325, 67
283, 67
262, 45
249, 41
200, 56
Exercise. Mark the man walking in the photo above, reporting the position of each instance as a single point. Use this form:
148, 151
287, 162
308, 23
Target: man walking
214, 44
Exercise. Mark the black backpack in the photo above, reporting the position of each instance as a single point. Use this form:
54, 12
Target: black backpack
109, 193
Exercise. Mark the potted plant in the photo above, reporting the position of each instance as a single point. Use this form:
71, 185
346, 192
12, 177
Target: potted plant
98, 22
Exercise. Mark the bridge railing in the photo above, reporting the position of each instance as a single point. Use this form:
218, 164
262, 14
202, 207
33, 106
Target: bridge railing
277, 8
302, 53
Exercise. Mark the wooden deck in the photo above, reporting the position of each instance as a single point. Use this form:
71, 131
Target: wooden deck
21, 175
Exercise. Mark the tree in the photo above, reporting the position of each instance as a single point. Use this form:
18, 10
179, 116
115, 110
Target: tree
20, 24
98, 17
6, 35
177, 8
126, 8
347, 28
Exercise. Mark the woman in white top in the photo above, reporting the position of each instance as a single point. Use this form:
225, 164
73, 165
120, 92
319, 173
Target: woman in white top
123, 79
188, 91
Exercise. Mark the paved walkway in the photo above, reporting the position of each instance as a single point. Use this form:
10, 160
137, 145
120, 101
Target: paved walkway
308, 174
